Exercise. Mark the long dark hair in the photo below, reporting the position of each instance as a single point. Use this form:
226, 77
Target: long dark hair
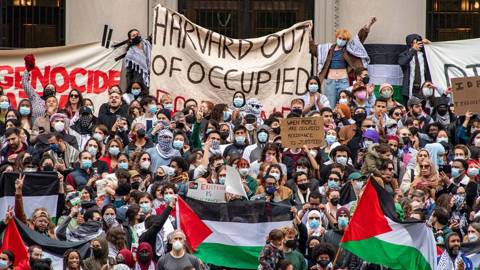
68, 105
65, 258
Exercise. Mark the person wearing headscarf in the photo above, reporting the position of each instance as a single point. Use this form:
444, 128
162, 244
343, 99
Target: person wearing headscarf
163, 152
436, 151
84, 126
452, 257
125, 257
144, 257
137, 59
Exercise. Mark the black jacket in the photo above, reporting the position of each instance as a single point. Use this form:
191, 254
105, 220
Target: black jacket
150, 235
404, 61
106, 117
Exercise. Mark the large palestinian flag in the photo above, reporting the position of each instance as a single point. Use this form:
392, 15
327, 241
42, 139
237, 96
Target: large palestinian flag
384, 68
18, 237
230, 234
40, 189
377, 236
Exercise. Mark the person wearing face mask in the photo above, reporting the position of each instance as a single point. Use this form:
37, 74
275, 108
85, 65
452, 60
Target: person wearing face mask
99, 254
414, 66
290, 249
239, 144
83, 175
136, 91
386, 92
333, 237
137, 59
415, 111
249, 183
64, 155
362, 98
340, 154
163, 152
344, 115
149, 118
459, 179
59, 124
452, 257
84, 126
7, 260
144, 257
334, 61
272, 190
324, 255
178, 257
254, 151
473, 233
313, 99
376, 155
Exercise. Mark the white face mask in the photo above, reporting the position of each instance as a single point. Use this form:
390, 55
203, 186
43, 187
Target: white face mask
59, 126
243, 171
177, 245
145, 164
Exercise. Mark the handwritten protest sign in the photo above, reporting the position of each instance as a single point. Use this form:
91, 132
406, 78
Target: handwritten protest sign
297, 132
465, 94
206, 192
191, 61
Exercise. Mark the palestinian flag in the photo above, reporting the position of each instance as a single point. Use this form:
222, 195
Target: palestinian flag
376, 235
230, 234
384, 68
472, 251
18, 237
39, 190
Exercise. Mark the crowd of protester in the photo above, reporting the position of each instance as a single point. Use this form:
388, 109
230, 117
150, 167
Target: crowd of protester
121, 166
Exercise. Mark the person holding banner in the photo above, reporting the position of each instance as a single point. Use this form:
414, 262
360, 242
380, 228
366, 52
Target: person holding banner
335, 61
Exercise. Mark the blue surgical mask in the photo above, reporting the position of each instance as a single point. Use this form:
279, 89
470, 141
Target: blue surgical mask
24, 111
342, 222
262, 137
341, 42
136, 91
238, 102
177, 144
3, 264
313, 88
333, 184
240, 140
314, 223
167, 198
367, 144
4, 105
343, 101
331, 139
152, 108
455, 172
226, 115
145, 207
168, 106
86, 164
275, 175
123, 165
92, 150
221, 180
114, 151
472, 172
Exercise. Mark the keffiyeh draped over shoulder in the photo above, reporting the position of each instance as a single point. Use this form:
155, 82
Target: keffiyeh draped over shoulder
138, 60
354, 47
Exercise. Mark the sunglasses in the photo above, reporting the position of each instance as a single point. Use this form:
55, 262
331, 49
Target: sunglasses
74, 96
424, 166
390, 169
312, 218
397, 114
369, 126
334, 179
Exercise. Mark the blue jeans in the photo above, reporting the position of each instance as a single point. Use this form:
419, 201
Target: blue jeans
333, 87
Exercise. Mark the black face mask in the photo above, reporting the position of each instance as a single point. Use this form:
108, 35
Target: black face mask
158, 178
323, 263
136, 40
224, 135
97, 252
442, 111
276, 130
335, 201
303, 186
297, 111
291, 244
141, 133
366, 80
359, 117
141, 218
143, 257
406, 140
47, 168
135, 185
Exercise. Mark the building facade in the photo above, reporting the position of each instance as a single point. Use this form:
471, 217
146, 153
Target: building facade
41, 23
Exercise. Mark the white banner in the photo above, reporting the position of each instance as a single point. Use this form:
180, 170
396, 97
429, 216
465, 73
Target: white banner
206, 192
453, 59
89, 68
189, 61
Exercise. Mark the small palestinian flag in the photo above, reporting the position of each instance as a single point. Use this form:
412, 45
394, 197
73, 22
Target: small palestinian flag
230, 234
384, 68
18, 237
40, 189
472, 251
376, 235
